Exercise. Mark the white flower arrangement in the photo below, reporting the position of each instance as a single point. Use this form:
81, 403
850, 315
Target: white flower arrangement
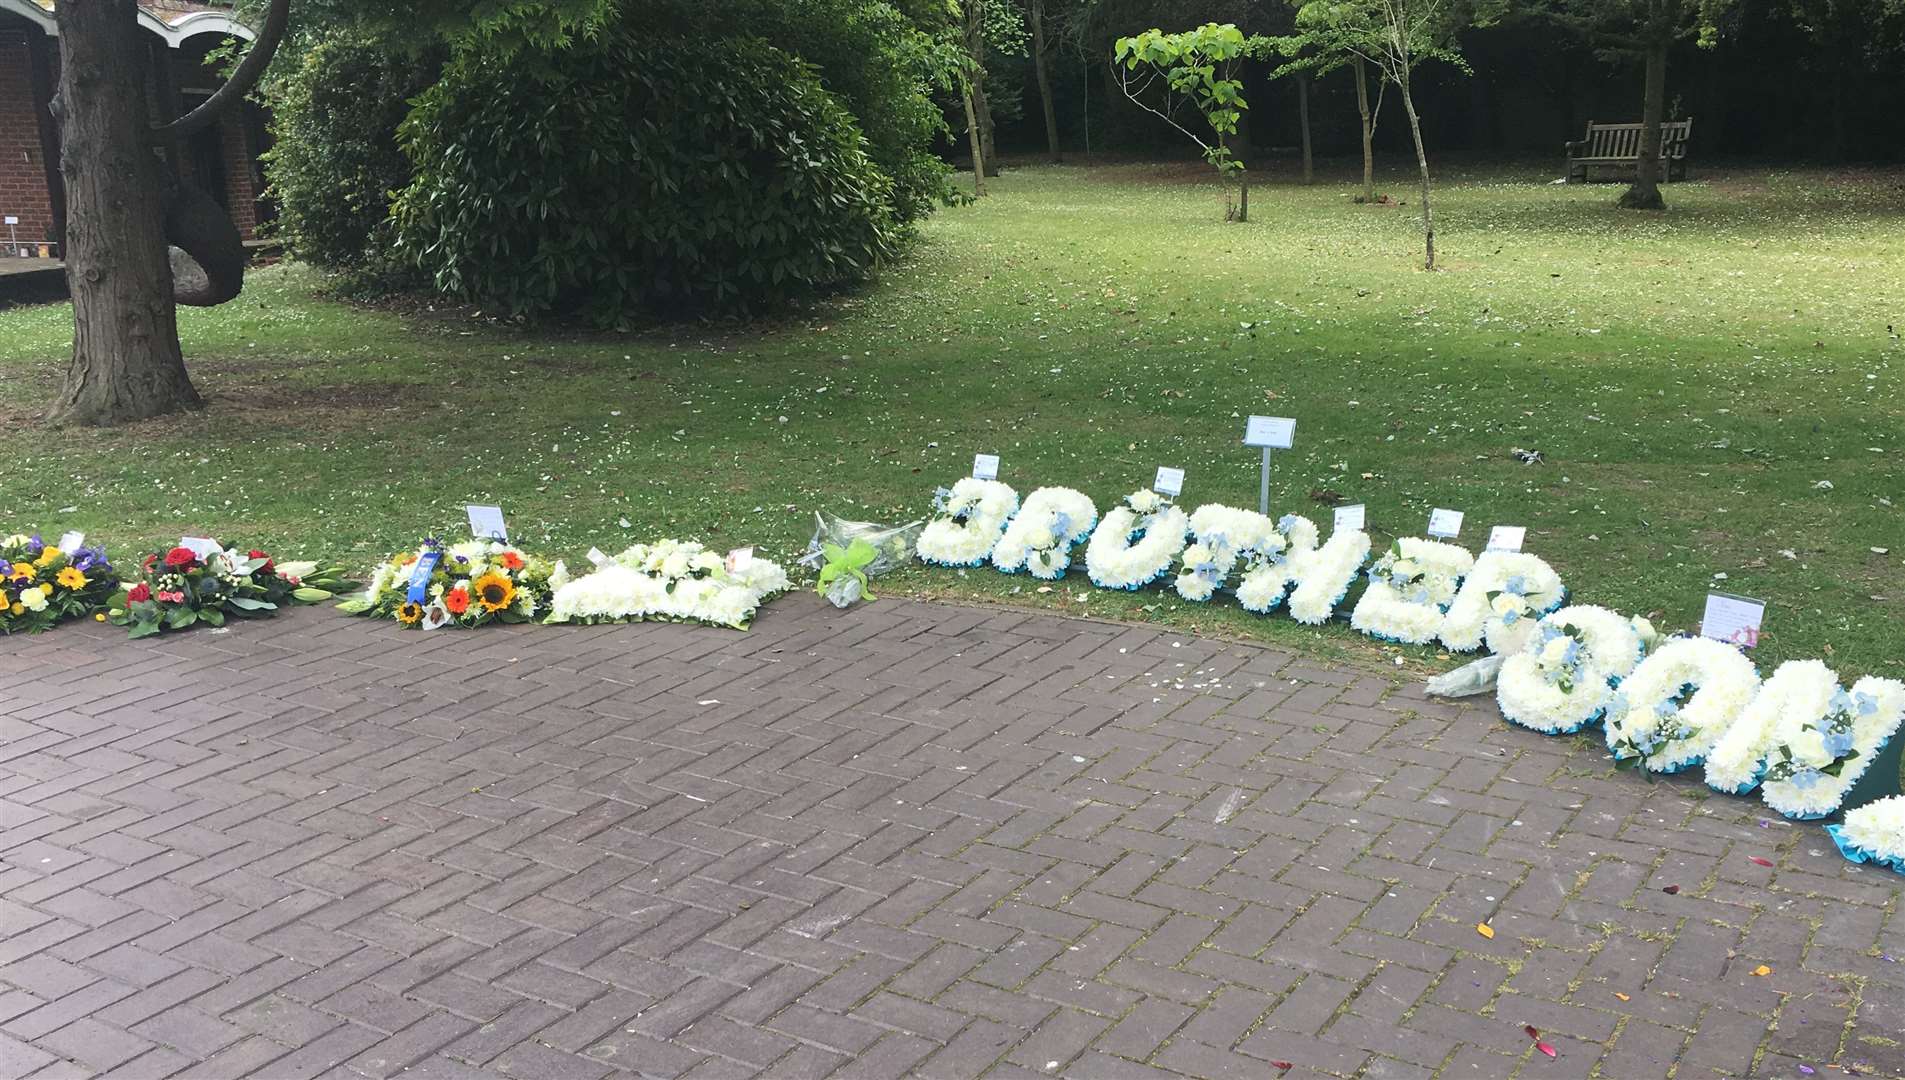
1500, 602
1040, 537
1564, 677
1135, 543
1321, 575
672, 579
1874, 833
1738, 759
1224, 535
1820, 748
970, 517
1409, 589
1668, 714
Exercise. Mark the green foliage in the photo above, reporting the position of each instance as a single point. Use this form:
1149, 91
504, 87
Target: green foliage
847, 563
1200, 67
1622, 29
335, 163
628, 172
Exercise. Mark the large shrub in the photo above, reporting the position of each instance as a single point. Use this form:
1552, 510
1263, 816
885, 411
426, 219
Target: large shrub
870, 55
630, 171
335, 162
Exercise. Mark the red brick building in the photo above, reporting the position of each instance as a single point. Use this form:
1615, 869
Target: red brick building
222, 161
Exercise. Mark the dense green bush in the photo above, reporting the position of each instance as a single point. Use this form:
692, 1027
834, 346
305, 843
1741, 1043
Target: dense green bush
630, 171
335, 162
880, 65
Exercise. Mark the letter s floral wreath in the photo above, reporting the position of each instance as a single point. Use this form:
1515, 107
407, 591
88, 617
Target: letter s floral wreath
1041, 535
970, 517
1135, 543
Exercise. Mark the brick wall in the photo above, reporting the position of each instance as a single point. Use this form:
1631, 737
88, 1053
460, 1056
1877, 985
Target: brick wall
22, 172
241, 195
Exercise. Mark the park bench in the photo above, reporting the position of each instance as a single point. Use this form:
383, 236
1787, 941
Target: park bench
1618, 146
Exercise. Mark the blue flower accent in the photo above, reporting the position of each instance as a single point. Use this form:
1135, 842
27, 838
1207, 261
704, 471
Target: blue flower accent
940, 495
1511, 618
1805, 779
1838, 743
1517, 585
1286, 523
1868, 705
1061, 524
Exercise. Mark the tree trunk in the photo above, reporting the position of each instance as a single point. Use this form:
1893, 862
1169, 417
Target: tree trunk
973, 139
1303, 118
1243, 195
126, 363
1422, 162
1645, 194
976, 80
987, 129
1369, 129
1041, 69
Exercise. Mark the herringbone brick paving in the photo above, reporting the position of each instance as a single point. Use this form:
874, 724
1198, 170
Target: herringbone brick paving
908, 839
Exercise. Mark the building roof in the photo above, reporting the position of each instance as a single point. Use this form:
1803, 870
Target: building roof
172, 20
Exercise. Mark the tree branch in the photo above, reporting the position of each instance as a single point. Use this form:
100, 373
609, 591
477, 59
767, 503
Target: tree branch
250, 69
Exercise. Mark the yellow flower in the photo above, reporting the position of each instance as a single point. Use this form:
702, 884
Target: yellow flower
99, 616
48, 556
46, 588
17, 609
493, 591
409, 614
24, 572
72, 578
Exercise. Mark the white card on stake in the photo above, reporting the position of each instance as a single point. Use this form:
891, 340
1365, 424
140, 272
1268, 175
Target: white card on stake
740, 558
1270, 432
1506, 537
1733, 619
596, 557
486, 523
1169, 481
1446, 524
1349, 518
72, 541
985, 466
203, 546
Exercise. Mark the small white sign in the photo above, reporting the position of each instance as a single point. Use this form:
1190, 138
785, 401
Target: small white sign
72, 542
11, 220
1446, 524
203, 546
1169, 482
985, 466
597, 558
1733, 619
1270, 432
1506, 537
1349, 518
486, 523
739, 558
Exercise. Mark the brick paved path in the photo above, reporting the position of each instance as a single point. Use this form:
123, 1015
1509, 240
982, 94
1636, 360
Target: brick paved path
910, 839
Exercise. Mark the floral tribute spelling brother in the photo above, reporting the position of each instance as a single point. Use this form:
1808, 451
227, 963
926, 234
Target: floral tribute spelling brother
1800, 738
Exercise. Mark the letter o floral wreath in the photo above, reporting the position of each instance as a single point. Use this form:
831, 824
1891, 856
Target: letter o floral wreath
1135, 543
971, 516
1040, 537
1563, 679
1874, 833
1668, 714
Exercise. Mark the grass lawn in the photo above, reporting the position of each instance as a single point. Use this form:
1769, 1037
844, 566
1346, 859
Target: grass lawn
1693, 381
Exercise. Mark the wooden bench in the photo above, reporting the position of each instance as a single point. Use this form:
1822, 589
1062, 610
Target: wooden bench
1618, 146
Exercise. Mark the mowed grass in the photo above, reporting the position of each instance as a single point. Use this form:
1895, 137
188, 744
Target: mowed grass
1694, 381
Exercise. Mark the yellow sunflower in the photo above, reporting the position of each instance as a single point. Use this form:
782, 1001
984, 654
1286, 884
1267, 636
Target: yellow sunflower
493, 591
72, 578
24, 572
410, 614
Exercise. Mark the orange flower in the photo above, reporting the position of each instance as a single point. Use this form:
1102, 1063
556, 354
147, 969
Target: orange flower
493, 591
457, 601
512, 560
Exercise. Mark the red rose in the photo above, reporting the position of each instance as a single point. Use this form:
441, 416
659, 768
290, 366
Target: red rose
268, 567
180, 557
139, 593
151, 560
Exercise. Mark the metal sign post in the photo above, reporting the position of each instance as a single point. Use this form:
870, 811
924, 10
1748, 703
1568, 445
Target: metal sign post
1270, 433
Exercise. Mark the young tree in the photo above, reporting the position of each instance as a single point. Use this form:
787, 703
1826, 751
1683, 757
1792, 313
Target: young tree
1320, 46
1647, 30
1396, 36
1199, 68
1049, 22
